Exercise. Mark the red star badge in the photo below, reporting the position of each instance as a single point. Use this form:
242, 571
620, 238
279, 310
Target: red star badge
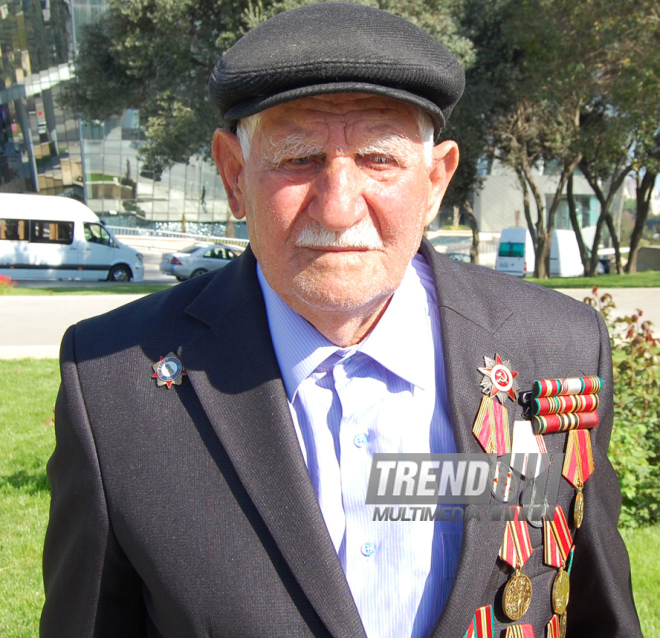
499, 380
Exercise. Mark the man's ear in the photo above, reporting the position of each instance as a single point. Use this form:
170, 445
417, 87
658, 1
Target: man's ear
443, 167
229, 159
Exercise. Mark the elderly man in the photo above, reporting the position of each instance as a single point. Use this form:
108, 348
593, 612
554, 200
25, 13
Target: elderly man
214, 442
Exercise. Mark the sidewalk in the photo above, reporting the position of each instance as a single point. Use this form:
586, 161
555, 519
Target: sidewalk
627, 301
34, 326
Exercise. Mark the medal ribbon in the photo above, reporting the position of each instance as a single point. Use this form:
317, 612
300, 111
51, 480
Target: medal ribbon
579, 461
519, 631
551, 423
558, 387
557, 539
483, 623
516, 546
552, 628
491, 427
565, 404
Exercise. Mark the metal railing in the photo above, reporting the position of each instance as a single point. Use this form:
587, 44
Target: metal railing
172, 234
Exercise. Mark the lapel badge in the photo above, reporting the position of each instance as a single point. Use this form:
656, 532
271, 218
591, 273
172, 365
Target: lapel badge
499, 380
168, 371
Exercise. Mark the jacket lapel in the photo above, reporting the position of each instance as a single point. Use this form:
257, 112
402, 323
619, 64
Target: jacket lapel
473, 324
235, 374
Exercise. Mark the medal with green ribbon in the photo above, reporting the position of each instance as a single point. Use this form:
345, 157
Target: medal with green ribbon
557, 544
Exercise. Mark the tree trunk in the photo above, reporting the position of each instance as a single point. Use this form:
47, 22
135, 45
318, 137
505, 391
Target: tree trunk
615, 241
572, 213
618, 175
533, 230
472, 223
643, 192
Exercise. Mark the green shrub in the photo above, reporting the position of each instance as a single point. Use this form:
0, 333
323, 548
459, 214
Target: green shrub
635, 446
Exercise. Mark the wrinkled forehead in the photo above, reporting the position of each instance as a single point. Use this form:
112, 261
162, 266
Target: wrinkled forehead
353, 117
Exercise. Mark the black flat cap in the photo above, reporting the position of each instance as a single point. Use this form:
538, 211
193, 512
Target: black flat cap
335, 47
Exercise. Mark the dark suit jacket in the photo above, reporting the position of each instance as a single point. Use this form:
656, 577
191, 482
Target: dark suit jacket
189, 511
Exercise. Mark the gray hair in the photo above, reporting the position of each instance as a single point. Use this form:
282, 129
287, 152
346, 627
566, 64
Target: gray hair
248, 125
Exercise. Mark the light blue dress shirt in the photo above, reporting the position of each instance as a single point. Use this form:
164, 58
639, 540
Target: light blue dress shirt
386, 394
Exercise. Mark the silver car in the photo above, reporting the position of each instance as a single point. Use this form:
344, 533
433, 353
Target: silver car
198, 259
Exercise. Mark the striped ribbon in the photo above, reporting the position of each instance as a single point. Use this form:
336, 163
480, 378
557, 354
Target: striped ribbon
579, 461
519, 631
516, 546
483, 623
551, 423
565, 404
557, 539
569, 560
558, 387
491, 427
552, 628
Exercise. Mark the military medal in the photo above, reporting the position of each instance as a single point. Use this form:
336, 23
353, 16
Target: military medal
491, 426
577, 468
168, 371
557, 544
483, 623
556, 628
519, 631
499, 380
569, 405
515, 550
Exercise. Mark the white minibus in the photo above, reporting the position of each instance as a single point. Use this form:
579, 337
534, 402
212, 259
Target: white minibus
45, 237
515, 254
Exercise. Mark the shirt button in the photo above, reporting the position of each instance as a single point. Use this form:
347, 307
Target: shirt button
368, 549
360, 440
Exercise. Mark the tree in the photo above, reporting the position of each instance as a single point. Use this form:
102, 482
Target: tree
590, 78
157, 55
486, 97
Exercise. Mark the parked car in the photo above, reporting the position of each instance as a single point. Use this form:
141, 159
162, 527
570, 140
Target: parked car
459, 257
198, 259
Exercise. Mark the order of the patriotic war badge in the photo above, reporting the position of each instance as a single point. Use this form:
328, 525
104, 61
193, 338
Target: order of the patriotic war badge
168, 371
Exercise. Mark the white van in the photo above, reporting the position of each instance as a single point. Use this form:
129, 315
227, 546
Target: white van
44, 237
515, 254
565, 258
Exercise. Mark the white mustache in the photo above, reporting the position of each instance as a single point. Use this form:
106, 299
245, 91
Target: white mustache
363, 235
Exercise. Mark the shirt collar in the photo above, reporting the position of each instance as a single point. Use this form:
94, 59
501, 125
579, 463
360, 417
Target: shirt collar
402, 340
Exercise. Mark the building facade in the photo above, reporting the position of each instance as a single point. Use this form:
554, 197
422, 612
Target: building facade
46, 149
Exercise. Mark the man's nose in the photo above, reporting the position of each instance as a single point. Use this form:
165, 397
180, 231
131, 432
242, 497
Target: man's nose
338, 202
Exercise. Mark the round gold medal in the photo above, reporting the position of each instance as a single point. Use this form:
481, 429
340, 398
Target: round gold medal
517, 596
578, 509
562, 625
560, 591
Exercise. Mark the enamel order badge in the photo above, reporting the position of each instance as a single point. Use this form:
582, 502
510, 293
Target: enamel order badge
168, 371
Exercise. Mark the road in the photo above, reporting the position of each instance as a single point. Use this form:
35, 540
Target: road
33, 326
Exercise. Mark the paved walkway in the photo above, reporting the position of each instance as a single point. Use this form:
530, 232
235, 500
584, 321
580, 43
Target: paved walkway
627, 301
34, 326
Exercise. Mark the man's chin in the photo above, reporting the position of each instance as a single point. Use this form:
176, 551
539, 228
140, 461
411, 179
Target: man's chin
336, 294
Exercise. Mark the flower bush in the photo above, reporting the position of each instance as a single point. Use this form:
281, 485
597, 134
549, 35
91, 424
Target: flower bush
635, 445
7, 284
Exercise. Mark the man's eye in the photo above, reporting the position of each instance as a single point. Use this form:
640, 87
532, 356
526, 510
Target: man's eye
382, 160
300, 161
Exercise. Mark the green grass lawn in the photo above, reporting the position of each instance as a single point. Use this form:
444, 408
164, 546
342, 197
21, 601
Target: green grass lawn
104, 288
646, 279
27, 437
